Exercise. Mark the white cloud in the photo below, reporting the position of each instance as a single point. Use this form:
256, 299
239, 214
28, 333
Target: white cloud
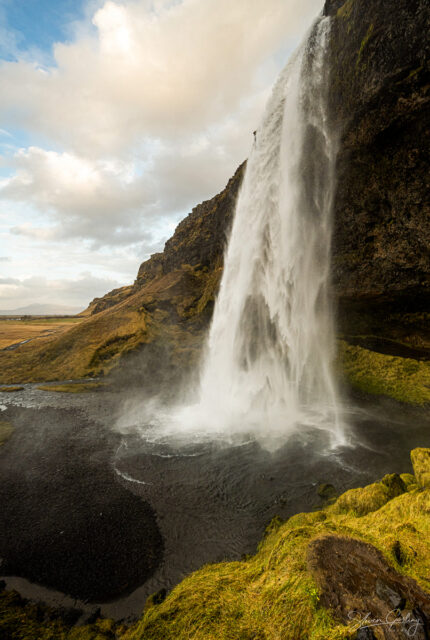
98, 200
38, 290
162, 71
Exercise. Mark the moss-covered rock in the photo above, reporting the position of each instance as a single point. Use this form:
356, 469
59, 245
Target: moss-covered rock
408, 479
421, 464
327, 492
404, 379
394, 483
362, 501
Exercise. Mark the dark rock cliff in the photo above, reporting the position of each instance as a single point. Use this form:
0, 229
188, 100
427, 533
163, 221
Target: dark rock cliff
380, 105
200, 239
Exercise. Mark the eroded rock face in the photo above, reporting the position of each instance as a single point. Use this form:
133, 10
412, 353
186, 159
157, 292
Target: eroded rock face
380, 104
357, 583
200, 239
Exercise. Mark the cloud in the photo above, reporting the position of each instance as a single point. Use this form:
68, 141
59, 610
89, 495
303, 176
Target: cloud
152, 69
99, 200
76, 292
146, 111
4, 259
116, 202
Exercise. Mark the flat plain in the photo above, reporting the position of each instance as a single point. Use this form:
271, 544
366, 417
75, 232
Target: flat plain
15, 329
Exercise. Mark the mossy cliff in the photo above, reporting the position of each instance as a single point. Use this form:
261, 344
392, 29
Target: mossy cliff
379, 106
318, 575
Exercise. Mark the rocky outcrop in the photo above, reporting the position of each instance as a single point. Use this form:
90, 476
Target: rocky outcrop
109, 300
358, 584
200, 239
380, 107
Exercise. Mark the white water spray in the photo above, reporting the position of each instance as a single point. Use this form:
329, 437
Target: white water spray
269, 358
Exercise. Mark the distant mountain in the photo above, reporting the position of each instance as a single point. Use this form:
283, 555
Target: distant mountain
41, 310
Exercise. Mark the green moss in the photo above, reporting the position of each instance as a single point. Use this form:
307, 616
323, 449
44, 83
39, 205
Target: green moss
408, 479
327, 492
345, 10
256, 598
6, 430
22, 620
363, 500
421, 463
404, 379
364, 43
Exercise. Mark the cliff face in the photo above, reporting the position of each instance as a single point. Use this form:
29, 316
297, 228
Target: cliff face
200, 239
380, 105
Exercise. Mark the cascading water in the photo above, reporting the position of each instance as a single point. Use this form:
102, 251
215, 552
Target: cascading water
268, 363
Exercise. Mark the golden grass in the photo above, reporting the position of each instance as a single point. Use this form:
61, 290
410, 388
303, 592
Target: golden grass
98, 343
10, 389
91, 348
13, 330
73, 387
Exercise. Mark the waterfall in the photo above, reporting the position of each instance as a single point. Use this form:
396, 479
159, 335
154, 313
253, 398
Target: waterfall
268, 363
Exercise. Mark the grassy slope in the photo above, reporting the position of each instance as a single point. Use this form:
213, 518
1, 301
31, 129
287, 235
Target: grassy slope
166, 305
404, 379
89, 347
271, 595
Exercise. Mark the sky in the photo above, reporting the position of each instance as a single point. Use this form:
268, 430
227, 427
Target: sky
116, 118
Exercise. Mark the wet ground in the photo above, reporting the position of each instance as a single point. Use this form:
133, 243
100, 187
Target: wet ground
104, 519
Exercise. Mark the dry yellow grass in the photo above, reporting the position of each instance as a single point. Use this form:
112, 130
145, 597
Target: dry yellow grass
14, 330
74, 387
97, 343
